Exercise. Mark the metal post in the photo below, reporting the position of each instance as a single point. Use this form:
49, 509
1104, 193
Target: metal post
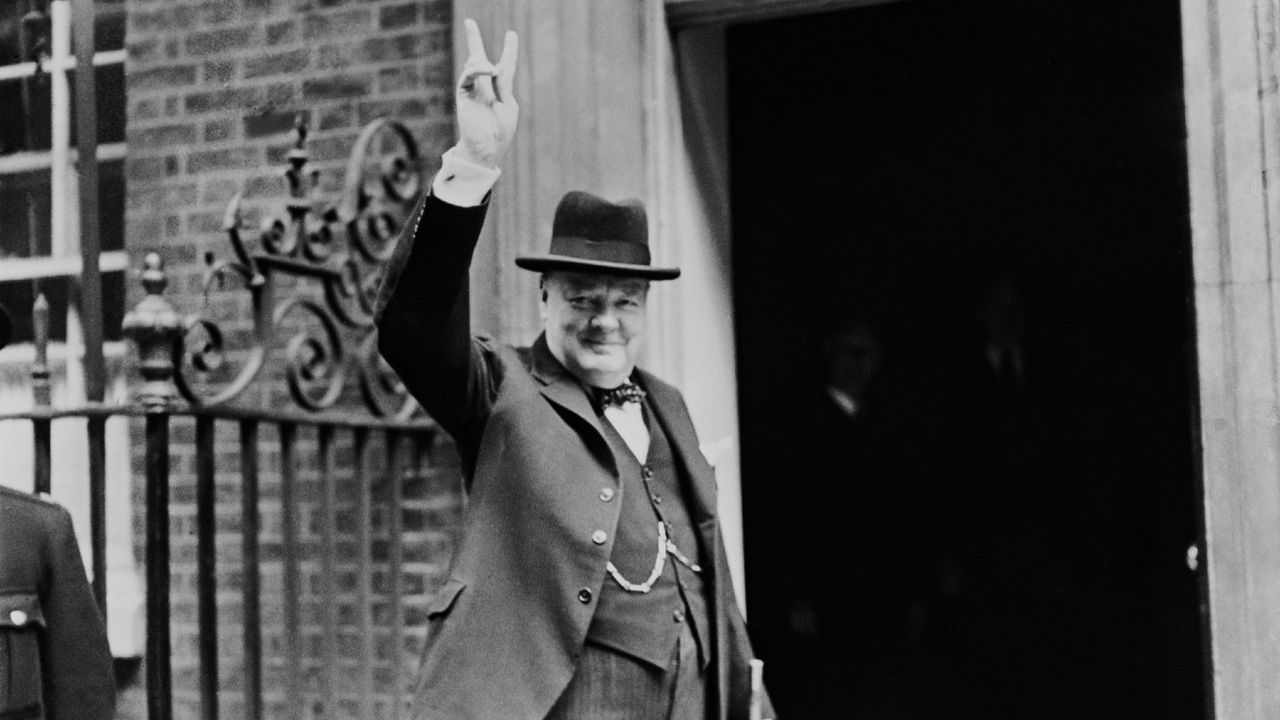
207, 567
395, 565
294, 661
153, 326
90, 246
250, 585
41, 389
159, 649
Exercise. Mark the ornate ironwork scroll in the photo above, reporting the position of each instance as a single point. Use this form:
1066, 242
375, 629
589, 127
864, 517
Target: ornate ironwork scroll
312, 275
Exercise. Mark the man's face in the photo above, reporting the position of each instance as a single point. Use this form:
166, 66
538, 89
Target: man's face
595, 324
853, 359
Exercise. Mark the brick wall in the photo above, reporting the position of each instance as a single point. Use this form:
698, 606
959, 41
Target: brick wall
213, 88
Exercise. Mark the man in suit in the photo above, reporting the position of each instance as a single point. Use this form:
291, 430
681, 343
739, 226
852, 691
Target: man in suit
54, 660
590, 579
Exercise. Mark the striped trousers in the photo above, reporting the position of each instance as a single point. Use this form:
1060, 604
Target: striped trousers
611, 686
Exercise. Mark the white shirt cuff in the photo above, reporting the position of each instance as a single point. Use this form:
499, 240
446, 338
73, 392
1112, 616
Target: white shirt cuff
462, 182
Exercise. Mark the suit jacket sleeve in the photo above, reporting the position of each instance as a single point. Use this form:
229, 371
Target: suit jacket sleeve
79, 682
423, 317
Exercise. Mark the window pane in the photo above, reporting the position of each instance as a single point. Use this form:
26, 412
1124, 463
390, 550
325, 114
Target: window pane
111, 205
109, 25
111, 105
19, 295
10, 23
28, 127
24, 214
24, 205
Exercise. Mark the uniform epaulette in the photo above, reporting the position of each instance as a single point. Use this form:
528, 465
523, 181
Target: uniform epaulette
40, 498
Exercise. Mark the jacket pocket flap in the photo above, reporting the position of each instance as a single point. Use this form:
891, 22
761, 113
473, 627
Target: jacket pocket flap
20, 610
444, 598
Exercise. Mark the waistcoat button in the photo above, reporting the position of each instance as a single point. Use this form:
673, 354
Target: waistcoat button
678, 616
584, 595
648, 471
598, 537
606, 494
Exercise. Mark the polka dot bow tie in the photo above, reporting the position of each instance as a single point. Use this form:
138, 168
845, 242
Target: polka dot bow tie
619, 396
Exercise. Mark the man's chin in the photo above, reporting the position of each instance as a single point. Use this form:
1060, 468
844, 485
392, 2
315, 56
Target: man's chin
602, 374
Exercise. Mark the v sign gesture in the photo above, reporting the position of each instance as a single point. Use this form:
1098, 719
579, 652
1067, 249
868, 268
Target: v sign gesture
487, 109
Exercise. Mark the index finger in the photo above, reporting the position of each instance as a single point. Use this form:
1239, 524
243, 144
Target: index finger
475, 44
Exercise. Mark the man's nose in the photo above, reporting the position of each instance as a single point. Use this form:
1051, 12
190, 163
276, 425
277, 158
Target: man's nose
604, 319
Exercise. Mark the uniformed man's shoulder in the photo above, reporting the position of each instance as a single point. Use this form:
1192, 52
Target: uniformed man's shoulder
29, 503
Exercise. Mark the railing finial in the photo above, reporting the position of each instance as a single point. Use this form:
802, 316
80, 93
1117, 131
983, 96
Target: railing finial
155, 328
41, 388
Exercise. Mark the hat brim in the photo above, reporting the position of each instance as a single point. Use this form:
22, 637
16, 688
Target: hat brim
545, 263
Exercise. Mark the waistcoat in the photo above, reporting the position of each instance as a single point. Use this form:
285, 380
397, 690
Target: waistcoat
647, 625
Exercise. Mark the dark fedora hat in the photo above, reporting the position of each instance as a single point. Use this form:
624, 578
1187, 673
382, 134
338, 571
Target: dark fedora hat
6, 327
592, 235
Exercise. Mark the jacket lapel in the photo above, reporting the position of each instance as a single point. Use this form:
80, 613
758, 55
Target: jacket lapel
564, 391
667, 405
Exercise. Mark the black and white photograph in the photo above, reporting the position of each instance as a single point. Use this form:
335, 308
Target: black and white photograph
639, 360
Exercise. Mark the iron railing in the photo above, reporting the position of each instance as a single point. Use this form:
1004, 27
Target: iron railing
311, 278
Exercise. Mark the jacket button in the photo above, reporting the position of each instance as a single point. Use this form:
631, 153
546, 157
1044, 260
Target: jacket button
598, 537
678, 616
584, 595
17, 617
606, 494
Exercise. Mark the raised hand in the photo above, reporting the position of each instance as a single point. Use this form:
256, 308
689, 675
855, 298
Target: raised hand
487, 109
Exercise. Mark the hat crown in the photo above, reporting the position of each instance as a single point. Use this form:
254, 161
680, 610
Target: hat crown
591, 234
588, 217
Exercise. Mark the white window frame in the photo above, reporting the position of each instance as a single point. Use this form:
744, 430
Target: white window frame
59, 160
125, 586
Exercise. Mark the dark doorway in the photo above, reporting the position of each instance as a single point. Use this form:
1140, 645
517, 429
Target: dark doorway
976, 214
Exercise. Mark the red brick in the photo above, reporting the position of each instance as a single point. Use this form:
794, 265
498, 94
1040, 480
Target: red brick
398, 79
337, 86
273, 123
219, 71
144, 168
220, 41
219, 129
161, 136
403, 110
438, 12
344, 24
399, 47
216, 12
161, 77
396, 17
280, 63
142, 52
338, 116
219, 100
279, 33
240, 157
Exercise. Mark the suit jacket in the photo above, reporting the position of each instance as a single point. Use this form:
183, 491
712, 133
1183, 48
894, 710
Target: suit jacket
54, 660
507, 627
